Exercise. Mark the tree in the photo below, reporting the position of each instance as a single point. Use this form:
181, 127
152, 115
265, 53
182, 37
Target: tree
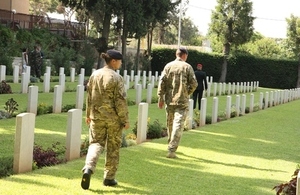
293, 37
41, 7
232, 23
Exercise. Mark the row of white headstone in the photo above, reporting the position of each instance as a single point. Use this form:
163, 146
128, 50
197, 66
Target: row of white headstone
272, 98
25, 122
232, 88
24, 139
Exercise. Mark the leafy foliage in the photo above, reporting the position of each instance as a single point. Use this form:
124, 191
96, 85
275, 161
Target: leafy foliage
154, 130
288, 188
232, 24
50, 156
6, 167
11, 106
5, 88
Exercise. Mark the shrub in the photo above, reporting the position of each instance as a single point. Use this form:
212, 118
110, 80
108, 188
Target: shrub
84, 146
208, 119
3, 115
154, 130
6, 166
5, 88
50, 156
124, 142
68, 107
11, 106
43, 109
288, 188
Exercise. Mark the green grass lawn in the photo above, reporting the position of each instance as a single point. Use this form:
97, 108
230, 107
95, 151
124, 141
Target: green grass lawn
242, 156
245, 155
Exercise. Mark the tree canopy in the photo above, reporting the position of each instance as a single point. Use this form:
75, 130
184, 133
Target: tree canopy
232, 24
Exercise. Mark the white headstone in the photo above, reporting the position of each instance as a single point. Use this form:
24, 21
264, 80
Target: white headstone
190, 117
80, 79
271, 98
62, 80
16, 74
79, 96
251, 102
24, 83
142, 123
61, 70
32, 101
138, 97
57, 99
261, 99
46, 83
214, 116
203, 111
24, 141
131, 75
267, 100
2, 72
220, 89
237, 105
208, 91
48, 70
228, 107
149, 93
73, 141
144, 82
72, 74
243, 104
215, 89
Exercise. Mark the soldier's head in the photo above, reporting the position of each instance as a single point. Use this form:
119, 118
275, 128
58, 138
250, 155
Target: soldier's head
113, 58
182, 53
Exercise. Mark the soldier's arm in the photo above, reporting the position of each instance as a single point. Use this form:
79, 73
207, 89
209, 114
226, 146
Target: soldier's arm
161, 87
205, 81
88, 98
192, 81
121, 102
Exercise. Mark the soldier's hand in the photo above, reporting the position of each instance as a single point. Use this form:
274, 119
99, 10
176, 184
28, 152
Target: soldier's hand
126, 126
160, 105
88, 121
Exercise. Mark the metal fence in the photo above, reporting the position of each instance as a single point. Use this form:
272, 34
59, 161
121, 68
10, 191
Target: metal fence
72, 30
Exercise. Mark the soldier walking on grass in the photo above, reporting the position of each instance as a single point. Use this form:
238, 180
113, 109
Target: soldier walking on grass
106, 115
176, 84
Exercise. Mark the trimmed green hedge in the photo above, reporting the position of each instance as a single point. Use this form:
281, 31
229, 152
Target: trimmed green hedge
271, 73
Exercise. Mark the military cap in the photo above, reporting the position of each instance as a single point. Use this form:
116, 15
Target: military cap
114, 54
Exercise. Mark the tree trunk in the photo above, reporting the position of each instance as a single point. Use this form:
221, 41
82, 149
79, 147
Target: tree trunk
138, 54
149, 44
104, 39
224, 65
124, 40
106, 25
298, 81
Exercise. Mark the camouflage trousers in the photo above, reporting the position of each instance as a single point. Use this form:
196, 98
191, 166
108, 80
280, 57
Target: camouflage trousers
104, 135
176, 116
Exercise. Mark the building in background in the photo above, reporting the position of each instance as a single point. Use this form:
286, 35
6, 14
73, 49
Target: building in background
20, 6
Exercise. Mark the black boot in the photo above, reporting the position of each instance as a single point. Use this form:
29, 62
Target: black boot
86, 178
110, 182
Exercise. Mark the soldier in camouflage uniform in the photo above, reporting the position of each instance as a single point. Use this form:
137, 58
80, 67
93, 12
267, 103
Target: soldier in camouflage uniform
35, 60
106, 115
176, 84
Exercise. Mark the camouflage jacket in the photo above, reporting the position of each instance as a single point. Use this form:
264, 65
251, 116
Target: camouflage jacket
176, 83
106, 98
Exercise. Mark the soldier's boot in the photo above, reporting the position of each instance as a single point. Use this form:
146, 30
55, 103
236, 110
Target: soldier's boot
171, 155
110, 182
86, 178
